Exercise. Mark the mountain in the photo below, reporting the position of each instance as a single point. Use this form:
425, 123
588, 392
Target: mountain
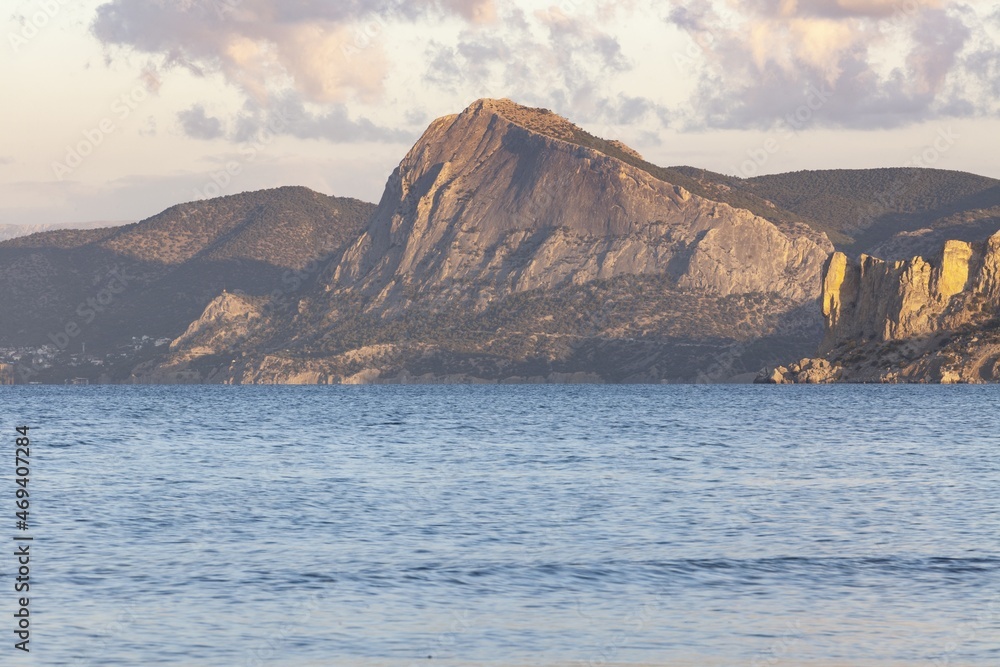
522, 207
8, 232
152, 278
913, 320
510, 245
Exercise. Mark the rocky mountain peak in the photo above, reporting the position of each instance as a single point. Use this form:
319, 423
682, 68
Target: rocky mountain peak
542, 121
502, 198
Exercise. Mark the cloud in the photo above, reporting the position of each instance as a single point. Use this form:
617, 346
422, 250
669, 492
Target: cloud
877, 63
319, 52
565, 57
884, 63
475, 11
264, 46
290, 115
198, 125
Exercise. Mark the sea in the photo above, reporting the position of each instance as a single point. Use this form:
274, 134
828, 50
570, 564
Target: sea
556, 526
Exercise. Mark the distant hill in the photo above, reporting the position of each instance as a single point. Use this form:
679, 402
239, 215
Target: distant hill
895, 213
173, 264
8, 232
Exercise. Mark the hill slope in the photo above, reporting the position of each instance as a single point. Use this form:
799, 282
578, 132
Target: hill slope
159, 274
8, 232
892, 213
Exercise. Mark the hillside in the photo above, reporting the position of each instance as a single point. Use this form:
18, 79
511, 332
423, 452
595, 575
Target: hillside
165, 269
894, 213
872, 206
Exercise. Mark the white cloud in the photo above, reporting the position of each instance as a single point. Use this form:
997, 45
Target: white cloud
256, 44
759, 60
320, 52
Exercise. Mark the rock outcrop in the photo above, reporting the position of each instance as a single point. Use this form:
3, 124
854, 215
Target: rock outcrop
879, 301
909, 321
212, 346
807, 371
226, 322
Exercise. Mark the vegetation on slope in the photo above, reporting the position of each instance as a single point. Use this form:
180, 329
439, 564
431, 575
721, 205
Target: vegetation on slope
173, 264
872, 205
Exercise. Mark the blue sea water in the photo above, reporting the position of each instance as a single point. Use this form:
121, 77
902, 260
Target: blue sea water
699, 526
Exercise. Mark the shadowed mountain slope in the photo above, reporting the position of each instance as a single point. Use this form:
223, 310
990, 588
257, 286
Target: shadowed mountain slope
169, 267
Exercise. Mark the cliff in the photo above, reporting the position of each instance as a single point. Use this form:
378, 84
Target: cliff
916, 320
875, 300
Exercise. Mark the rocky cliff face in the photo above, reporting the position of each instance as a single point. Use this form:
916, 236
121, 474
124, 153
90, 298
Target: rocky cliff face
498, 200
909, 321
875, 300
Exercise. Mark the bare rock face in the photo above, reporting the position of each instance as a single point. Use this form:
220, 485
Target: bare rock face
510, 245
225, 322
498, 199
914, 320
875, 300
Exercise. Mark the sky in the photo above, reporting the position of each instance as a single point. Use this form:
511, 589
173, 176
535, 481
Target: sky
117, 109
